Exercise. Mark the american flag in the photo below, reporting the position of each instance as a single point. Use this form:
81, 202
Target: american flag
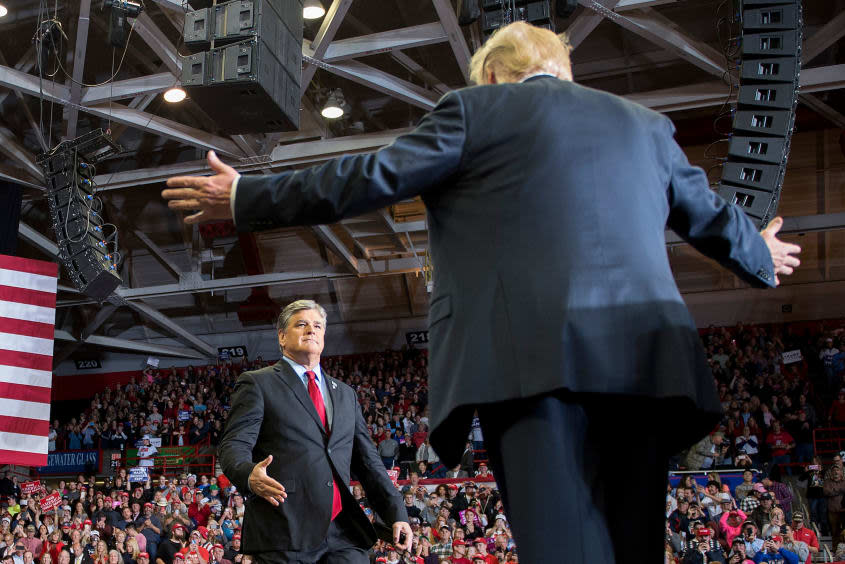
27, 320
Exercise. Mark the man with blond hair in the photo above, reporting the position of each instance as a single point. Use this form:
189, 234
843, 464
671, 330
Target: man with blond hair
554, 312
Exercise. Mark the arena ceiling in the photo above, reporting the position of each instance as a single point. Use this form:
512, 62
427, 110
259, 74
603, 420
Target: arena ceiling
392, 59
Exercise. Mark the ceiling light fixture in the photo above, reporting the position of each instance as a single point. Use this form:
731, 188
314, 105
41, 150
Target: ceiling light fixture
3, 10
312, 10
334, 106
175, 95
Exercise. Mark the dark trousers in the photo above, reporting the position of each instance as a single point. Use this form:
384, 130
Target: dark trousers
338, 548
587, 480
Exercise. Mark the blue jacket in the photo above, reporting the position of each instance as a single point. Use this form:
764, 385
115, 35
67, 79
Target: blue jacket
547, 207
782, 555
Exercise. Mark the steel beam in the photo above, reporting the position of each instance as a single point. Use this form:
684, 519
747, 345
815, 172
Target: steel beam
36, 127
20, 154
38, 240
179, 6
15, 175
139, 347
796, 225
708, 94
158, 253
195, 285
384, 42
832, 115
410, 64
665, 100
328, 28
165, 127
326, 236
165, 322
586, 22
661, 31
815, 45
625, 5
26, 83
449, 19
79, 50
132, 87
159, 43
25, 64
380, 81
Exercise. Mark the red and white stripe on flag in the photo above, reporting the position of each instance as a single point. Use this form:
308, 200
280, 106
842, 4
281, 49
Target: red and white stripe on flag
27, 321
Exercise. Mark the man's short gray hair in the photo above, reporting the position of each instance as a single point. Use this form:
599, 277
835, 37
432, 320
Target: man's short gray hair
294, 307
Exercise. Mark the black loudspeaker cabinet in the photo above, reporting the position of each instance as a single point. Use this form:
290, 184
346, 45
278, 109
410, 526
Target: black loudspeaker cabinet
239, 20
249, 89
79, 236
198, 30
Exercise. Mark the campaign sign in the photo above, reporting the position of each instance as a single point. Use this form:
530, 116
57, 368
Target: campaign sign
52, 501
138, 474
184, 415
31, 487
792, 356
394, 477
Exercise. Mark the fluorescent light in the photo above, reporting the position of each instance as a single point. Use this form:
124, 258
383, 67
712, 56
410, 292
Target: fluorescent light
174, 95
312, 10
332, 112
3, 10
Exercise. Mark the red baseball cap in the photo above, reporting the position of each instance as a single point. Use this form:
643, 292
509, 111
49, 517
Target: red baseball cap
481, 540
179, 526
458, 542
218, 545
203, 531
777, 538
144, 555
87, 522
148, 504
179, 555
236, 536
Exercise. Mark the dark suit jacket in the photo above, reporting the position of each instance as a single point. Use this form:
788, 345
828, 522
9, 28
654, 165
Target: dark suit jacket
547, 203
272, 414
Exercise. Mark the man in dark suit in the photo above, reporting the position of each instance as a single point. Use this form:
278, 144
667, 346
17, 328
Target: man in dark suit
554, 312
294, 437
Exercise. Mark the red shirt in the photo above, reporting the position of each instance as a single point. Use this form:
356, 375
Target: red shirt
806, 535
783, 438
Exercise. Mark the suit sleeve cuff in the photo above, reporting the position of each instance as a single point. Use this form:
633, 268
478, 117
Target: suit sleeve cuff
232, 196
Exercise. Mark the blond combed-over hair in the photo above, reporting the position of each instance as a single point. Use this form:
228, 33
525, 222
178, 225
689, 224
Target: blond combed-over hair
520, 49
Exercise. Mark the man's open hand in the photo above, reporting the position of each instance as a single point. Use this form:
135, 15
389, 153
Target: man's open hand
782, 253
208, 196
264, 486
400, 527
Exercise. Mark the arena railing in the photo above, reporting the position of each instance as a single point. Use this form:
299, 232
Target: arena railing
828, 440
194, 463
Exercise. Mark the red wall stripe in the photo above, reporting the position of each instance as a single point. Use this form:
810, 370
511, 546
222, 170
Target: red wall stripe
29, 265
27, 328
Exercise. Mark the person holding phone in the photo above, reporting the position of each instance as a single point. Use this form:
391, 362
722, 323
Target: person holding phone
774, 551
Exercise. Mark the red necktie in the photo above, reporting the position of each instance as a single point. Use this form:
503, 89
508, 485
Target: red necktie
317, 400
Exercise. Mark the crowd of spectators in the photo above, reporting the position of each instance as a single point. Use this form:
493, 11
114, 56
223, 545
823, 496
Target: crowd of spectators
190, 520
777, 385
772, 404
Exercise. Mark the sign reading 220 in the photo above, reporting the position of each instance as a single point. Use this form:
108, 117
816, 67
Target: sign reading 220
231, 352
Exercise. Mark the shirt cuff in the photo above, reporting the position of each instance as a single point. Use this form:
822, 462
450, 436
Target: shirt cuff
232, 196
